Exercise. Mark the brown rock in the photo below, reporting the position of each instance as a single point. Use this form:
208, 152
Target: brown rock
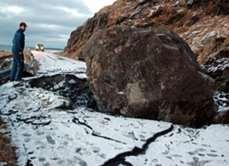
79, 37
4, 55
148, 73
222, 118
31, 66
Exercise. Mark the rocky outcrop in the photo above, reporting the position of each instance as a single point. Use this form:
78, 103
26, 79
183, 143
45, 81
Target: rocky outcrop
69, 86
148, 73
217, 67
31, 65
5, 60
222, 117
216, 7
4, 54
80, 36
203, 24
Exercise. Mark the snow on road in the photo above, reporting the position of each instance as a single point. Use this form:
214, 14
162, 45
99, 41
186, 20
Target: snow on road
53, 64
47, 135
44, 134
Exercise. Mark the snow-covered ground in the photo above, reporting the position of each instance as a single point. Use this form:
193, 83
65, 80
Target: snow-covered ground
52, 64
47, 135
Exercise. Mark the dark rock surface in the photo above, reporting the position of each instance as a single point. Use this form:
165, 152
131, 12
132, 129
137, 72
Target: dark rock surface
31, 66
69, 86
148, 73
222, 117
217, 67
81, 35
218, 6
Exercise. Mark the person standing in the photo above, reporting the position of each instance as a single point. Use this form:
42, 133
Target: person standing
17, 51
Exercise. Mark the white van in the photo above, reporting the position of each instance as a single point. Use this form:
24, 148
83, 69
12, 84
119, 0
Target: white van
40, 47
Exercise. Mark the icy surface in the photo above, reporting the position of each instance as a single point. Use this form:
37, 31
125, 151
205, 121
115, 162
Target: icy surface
53, 64
203, 147
219, 65
45, 134
222, 101
48, 135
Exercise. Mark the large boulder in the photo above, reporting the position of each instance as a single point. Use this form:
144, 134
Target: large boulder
148, 73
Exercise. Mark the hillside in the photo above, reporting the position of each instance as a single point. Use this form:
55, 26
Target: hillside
203, 24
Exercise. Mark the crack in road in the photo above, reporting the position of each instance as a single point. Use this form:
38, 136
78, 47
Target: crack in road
35, 120
94, 133
136, 151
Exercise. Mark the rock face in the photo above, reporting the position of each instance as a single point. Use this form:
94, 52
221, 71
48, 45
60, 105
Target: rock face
80, 36
148, 73
31, 65
203, 24
69, 86
217, 67
4, 54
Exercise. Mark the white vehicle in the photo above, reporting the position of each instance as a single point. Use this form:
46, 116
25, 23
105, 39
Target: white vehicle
40, 47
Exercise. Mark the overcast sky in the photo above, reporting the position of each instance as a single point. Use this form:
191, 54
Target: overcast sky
49, 21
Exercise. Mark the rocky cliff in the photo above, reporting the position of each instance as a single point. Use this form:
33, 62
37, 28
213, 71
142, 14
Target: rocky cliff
203, 24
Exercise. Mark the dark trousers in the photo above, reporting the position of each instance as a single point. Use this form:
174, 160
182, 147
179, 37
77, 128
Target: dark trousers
17, 68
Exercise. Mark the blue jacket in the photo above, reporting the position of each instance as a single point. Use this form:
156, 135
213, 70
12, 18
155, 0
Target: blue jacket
18, 42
